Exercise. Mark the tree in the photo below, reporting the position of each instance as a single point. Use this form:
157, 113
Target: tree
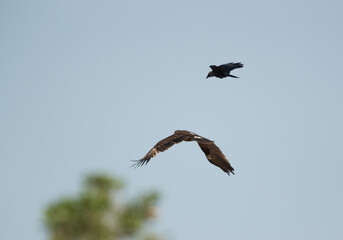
97, 214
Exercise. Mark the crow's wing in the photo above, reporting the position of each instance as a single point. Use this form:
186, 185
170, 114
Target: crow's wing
228, 67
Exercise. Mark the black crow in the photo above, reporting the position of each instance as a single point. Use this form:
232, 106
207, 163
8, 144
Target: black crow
224, 70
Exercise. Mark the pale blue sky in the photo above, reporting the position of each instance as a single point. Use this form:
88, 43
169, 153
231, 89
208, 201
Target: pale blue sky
89, 85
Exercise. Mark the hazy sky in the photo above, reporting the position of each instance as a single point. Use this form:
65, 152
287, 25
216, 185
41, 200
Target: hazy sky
87, 86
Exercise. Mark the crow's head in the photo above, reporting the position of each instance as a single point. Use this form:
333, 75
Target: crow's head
210, 74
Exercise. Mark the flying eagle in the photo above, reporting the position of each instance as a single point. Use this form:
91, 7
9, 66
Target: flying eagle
212, 152
224, 70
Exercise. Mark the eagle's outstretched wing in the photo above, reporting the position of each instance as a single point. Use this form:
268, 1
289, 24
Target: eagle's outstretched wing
216, 157
212, 152
164, 144
161, 146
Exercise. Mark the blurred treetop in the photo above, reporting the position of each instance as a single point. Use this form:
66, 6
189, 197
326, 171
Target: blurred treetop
97, 214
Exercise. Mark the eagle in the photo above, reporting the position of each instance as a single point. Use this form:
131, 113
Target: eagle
224, 70
212, 152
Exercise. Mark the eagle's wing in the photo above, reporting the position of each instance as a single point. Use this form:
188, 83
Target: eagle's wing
163, 145
216, 157
228, 67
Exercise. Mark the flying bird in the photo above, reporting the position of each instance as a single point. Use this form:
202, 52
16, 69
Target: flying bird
224, 70
212, 152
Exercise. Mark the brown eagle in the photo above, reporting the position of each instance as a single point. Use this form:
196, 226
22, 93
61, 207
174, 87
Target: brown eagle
212, 152
224, 70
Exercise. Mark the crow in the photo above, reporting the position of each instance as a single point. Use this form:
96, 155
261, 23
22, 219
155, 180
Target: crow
224, 70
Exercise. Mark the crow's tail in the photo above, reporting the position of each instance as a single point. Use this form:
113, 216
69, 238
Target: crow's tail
232, 76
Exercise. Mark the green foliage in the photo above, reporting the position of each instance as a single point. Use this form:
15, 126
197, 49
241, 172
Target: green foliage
96, 213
